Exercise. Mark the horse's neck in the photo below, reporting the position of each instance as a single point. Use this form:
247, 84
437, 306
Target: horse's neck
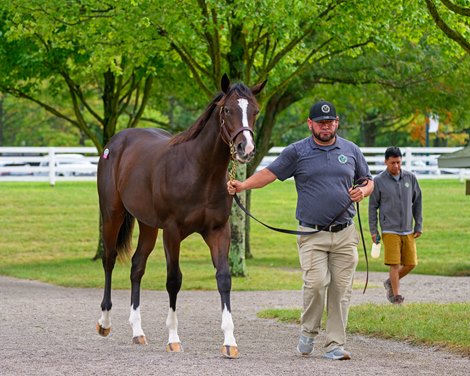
210, 148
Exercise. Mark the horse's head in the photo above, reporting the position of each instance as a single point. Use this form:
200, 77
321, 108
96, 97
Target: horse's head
238, 111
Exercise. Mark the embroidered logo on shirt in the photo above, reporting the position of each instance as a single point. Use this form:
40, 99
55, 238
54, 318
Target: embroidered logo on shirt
342, 159
325, 108
407, 185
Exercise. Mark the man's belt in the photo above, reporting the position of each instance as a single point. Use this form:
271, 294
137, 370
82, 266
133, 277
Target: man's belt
332, 228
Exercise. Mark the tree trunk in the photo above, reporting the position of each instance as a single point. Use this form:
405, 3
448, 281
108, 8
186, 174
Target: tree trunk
237, 244
369, 128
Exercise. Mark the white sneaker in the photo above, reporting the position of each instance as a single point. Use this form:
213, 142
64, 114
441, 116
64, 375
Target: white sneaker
305, 346
338, 354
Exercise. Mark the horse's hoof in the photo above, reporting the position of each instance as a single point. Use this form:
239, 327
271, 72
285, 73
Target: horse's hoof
102, 331
230, 352
174, 347
139, 340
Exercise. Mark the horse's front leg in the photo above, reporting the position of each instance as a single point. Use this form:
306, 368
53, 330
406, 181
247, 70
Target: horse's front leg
219, 244
147, 238
229, 348
174, 279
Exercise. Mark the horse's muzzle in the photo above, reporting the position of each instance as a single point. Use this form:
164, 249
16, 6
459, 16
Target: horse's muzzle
246, 158
242, 155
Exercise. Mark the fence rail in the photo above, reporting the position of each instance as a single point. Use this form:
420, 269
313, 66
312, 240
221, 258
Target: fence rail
420, 160
53, 164
48, 164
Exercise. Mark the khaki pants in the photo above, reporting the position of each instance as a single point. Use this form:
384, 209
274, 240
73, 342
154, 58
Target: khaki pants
328, 261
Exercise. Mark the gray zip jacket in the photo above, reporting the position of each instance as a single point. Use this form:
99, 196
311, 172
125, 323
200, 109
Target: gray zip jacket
398, 202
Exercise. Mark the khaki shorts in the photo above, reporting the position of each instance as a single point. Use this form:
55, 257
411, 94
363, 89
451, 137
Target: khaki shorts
399, 249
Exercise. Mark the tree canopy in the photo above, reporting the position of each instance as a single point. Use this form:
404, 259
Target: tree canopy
98, 65
73, 59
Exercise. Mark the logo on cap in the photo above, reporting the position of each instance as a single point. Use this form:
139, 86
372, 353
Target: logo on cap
325, 108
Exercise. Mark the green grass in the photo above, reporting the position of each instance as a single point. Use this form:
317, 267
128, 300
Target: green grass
442, 249
51, 233
442, 325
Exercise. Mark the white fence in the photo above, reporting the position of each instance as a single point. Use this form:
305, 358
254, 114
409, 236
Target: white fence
53, 164
49, 164
422, 161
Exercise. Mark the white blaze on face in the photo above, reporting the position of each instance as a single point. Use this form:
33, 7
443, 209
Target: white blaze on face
243, 103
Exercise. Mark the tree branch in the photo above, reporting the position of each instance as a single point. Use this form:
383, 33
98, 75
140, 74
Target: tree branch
193, 67
19, 94
75, 89
456, 9
212, 39
451, 33
143, 102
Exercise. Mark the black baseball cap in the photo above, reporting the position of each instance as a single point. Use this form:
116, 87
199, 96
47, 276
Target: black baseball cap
322, 110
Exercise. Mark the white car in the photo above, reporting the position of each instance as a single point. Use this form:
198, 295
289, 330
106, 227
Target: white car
69, 165
15, 169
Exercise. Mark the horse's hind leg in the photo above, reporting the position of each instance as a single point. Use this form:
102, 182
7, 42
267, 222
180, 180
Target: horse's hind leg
111, 227
174, 279
147, 238
219, 244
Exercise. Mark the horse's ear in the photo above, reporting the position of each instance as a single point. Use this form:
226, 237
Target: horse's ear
225, 83
257, 88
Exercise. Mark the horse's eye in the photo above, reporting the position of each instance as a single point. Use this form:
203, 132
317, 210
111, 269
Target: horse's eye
226, 110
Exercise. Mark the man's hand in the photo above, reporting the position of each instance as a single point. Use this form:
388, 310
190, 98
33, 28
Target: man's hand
356, 194
374, 238
234, 186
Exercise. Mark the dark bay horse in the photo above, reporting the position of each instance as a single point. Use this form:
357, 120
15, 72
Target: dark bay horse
177, 184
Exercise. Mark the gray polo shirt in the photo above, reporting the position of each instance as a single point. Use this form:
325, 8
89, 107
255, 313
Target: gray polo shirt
399, 202
323, 175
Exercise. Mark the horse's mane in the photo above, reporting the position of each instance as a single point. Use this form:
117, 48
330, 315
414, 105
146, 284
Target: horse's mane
219, 99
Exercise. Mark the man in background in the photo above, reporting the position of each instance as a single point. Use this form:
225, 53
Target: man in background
397, 197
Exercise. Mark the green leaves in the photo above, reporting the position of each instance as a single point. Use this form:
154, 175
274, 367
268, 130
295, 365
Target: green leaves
307, 49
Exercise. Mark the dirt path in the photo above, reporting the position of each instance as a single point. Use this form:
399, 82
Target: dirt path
49, 330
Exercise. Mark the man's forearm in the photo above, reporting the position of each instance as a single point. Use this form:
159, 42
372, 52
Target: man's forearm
259, 179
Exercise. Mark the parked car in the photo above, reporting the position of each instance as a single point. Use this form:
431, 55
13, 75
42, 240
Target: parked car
425, 168
21, 169
69, 165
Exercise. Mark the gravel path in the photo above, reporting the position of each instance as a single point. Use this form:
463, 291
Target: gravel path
49, 330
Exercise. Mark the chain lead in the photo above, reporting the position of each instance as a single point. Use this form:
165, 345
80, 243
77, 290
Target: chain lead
233, 170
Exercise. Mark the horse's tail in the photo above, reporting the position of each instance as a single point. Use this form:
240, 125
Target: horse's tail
124, 240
